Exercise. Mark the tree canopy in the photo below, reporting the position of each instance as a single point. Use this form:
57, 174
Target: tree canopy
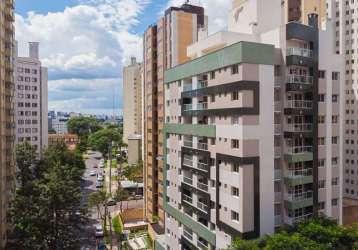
101, 139
46, 209
83, 126
315, 234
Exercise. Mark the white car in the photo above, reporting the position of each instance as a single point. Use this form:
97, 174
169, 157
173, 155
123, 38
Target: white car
92, 173
99, 231
100, 178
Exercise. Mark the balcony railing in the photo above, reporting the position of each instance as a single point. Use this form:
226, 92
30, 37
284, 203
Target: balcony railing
297, 219
299, 150
188, 180
188, 235
187, 199
299, 104
278, 129
202, 106
299, 173
300, 79
299, 127
202, 84
188, 107
278, 220
299, 52
299, 196
202, 145
187, 87
202, 186
277, 106
278, 174
202, 246
278, 197
277, 151
199, 145
202, 206
197, 165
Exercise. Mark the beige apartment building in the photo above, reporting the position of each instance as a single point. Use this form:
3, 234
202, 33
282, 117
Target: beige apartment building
132, 99
7, 126
253, 131
165, 45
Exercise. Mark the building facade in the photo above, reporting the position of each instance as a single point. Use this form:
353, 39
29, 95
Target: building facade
132, 96
165, 46
253, 129
31, 99
59, 124
7, 112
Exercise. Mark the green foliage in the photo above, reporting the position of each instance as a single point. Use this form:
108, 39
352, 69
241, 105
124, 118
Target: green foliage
45, 210
315, 234
117, 225
135, 172
83, 126
52, 131
102, 139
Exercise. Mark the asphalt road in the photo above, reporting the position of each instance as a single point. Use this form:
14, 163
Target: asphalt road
88, 240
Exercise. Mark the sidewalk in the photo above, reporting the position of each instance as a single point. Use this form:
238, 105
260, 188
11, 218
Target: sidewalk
107, 179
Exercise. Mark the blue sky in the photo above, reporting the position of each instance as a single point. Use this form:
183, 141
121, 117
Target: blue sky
85, 44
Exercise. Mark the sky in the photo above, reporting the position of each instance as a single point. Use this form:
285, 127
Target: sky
85, 44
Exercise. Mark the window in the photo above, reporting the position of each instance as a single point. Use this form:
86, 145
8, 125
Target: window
334, 202
321, 141
334, 118
335, 140
235, 95
212, 75
235, 167
321, 163
334, 160
321, 205
321, 184
235, 216
234, 143
234, 191
322, 74
335, 75
321, 119
212, 98
321, 97
234, 69
334, 98
335, 181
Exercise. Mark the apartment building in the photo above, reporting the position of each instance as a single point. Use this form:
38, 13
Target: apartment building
7, 112
253, 129
165, 45
345, 16
132, 96
31, 99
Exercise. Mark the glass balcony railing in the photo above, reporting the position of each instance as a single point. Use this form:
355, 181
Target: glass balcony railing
202, 246
188, 235
198, 165
202, 84
293, 220
299, 104
187, 199
299, 52
188, 180
299, 150
299, 173
299, 196
299, 127
202, 186
199, 145
202, 106
187, 87
202, 206
187, 107
300, 79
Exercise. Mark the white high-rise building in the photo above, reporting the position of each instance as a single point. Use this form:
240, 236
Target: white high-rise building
31, 104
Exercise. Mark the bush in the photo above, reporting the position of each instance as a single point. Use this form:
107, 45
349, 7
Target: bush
117, 225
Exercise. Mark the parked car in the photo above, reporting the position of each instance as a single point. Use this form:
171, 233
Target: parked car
111, 202
99, 230
100, 178
92, 173
99, 184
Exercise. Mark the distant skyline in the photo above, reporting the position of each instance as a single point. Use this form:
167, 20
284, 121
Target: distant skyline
86, 43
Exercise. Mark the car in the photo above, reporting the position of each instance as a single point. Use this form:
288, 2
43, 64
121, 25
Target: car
100, 178
111, 202
99, 231
99, 184
92, 173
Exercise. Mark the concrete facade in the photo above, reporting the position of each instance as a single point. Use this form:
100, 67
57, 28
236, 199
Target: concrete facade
253, 131
132, 96
31, 99
134, 149
7, 169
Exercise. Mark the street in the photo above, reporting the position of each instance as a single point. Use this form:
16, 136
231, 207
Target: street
88, 240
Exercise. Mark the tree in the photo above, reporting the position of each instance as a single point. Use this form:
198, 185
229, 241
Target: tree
122, 195
135, 172
52, 131
315, 234
26, 163
83, 126
46, 209
98, 199
102, 139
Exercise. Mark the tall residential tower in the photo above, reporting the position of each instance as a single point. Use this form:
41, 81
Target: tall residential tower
7, 125
165, 46
31, 104
253, 128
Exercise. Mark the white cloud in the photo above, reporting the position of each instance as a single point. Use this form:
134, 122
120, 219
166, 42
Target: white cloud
89, 40
216, 10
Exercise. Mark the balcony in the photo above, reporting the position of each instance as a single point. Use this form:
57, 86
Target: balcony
187, 87
298, 104
277, 151
299, 52
202, 106
201, 245
187, 107
278, 174
299, 154
188, 235
278, 220
202, 84
299, 127
299, 79
299, 200
202, 207
202, 186
187, 199
293, 220
278, 197
299, 176
277, 106
278, 129
295, 150
199, 145
199, 185
197, 165
188, 181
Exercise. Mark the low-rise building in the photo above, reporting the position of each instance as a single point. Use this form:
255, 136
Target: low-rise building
71, 140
